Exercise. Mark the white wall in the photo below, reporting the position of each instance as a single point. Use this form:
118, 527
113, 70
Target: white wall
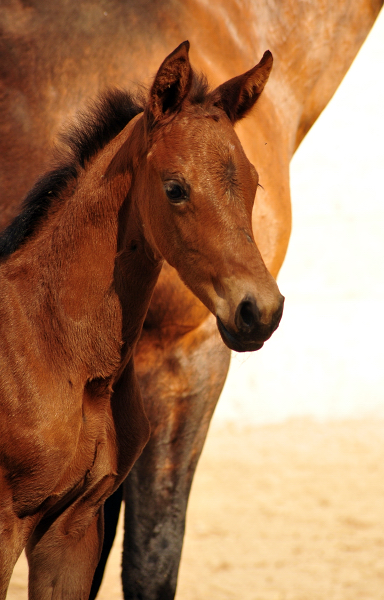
327, 358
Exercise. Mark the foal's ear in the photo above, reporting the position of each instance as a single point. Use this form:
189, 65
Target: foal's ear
238, 95
172, 83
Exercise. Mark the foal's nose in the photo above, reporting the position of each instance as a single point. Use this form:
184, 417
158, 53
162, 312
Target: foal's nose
248, 317
253, 322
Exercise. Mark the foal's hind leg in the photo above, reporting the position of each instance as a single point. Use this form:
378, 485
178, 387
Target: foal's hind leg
63, 555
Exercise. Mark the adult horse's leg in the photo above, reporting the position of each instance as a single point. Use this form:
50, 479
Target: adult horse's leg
187, 375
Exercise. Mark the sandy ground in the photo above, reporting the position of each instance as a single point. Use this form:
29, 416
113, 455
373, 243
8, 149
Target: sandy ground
280, 512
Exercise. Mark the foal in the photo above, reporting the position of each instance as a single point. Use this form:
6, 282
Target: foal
166, 180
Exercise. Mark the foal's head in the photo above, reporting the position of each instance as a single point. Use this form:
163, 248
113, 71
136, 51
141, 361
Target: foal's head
195, 190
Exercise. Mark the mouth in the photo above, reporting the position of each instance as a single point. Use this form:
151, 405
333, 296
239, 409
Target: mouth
234, 342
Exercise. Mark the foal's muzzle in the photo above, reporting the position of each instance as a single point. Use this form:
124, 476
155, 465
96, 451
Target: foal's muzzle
249, 332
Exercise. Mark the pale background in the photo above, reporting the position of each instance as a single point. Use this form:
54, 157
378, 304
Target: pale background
326, 359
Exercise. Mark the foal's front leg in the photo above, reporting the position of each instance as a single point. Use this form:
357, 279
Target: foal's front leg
63, 554
64, 550
13, 532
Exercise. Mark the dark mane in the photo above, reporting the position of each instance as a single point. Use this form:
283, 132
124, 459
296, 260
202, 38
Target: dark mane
89, 134
92, 131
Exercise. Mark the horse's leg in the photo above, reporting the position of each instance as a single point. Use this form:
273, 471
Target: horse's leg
181, 384
111, 516
63, 553
12, 535
8, 558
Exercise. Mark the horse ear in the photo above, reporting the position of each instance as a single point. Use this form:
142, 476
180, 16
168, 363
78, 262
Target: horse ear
238, 95
172, 83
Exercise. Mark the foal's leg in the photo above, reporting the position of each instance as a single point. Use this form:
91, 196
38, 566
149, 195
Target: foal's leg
111, 516
9, 553
12, 537
62, 556
8, 558
63, 552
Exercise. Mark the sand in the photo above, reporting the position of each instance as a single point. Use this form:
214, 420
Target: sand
293, 511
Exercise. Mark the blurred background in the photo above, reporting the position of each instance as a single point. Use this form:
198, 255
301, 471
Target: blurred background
326, 358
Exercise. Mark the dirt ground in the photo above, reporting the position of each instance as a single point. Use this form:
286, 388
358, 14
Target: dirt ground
293, 511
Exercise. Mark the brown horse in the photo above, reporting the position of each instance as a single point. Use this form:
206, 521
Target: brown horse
78, 269
55, 55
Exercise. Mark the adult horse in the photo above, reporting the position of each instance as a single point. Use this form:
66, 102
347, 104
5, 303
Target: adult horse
77, 270
52, 57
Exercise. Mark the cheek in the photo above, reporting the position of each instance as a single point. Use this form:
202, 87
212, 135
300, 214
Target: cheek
180, 237
151, 197
163, 228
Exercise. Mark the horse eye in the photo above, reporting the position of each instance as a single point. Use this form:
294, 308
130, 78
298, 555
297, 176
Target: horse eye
175, 192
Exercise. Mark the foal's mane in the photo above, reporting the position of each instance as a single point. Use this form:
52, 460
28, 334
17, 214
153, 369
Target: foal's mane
91, 132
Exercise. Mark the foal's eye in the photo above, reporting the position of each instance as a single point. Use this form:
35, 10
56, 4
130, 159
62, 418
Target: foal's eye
176, 192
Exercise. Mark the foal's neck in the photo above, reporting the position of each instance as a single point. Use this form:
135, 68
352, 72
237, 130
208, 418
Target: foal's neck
113, 268
98, 270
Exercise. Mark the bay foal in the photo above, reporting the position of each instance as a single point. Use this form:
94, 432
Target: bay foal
165, 180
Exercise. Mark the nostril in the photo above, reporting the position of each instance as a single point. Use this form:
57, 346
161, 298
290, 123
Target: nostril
247, 315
